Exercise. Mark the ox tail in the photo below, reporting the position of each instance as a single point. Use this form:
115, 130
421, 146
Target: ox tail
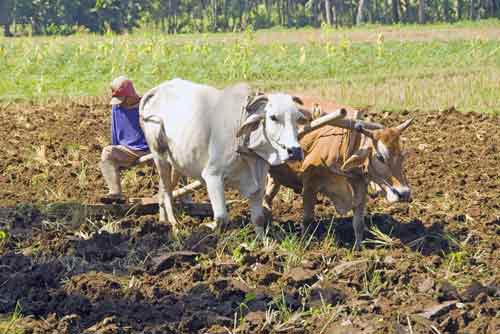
153, 126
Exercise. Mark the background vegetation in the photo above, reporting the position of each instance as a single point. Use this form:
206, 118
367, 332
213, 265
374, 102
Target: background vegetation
173, 16
412, 68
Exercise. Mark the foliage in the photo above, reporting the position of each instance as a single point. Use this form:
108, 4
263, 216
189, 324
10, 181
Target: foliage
3, 239
174, 16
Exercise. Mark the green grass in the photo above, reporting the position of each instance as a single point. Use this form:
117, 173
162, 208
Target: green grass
10, 323
388, 74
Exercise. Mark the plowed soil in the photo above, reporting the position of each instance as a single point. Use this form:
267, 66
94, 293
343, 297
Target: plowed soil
428, 266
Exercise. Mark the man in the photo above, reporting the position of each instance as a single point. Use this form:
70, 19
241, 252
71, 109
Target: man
128, 142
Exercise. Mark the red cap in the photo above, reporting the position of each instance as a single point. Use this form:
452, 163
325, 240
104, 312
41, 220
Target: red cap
121, 88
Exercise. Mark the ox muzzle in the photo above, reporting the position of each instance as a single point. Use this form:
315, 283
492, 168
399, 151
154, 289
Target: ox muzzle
295, 154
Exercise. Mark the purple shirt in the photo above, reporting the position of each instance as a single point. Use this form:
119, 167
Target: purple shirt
126, 130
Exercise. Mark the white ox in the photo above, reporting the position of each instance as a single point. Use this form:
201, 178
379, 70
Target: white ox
198, 130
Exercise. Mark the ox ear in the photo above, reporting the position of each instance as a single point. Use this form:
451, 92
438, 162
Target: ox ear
297, 100
317, 112
305, 116
251, 124
257, 104
357, 159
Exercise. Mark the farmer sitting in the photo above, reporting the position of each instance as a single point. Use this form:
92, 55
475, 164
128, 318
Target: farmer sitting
128, 142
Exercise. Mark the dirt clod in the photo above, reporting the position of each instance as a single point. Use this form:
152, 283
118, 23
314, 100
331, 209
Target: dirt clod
299, 276
173, 259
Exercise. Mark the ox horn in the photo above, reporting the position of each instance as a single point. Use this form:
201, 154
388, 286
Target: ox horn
403, 126
359, 127
257, 102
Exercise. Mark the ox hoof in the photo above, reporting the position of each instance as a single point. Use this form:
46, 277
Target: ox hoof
211, 225
186, 199
307, 225
260, 231
357, 246
268, 215
217, 227
173, 230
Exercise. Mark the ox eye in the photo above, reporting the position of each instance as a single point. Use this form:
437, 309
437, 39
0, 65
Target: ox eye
273, 118
380, 157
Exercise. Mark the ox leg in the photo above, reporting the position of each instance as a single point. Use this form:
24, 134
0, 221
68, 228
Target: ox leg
309, 195
165, 193
215, 188
272, 189
257, 214
358, 220
358, 223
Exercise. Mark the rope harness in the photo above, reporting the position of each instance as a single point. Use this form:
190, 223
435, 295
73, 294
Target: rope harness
347, 147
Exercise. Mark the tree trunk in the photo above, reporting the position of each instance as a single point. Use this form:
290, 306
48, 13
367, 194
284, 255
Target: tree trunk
335, 17
314, 13
354, 11
359, 16
369, 10
473, 10
214, 15
496, 10
328, 12
395, 11
377, 16
446, 10
460, 9
421, 11
240, 15
385, 12
280, 18
269, 9
405, 13
287, 12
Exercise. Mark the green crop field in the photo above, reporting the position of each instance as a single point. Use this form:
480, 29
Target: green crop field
429, 265
398, 68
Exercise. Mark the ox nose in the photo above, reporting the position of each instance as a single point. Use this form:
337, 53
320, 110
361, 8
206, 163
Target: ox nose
295, 154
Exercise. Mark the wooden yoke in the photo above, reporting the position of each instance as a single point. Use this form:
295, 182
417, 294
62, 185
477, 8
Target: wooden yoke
336, 118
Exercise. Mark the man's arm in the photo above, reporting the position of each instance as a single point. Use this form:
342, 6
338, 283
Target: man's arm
114, 137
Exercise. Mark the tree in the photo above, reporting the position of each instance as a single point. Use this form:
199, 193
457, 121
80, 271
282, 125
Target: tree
359, 16
446, 11
421, 11
395, 11
473, 10
118, 15
174, 16
6, 7
328, 12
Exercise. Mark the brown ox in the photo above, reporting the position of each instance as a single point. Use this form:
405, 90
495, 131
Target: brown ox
340, 163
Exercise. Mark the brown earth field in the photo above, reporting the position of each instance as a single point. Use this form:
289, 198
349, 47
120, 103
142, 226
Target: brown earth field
429, 266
